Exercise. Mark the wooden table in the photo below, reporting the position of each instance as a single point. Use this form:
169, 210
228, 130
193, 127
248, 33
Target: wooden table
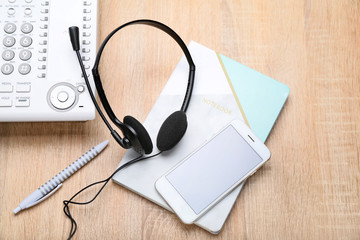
309, 190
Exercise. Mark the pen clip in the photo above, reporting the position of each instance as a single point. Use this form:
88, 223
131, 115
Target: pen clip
46, 196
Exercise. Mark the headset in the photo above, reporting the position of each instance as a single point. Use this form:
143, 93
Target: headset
135, 135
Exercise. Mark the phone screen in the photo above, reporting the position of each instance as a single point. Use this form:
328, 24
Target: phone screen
213, 169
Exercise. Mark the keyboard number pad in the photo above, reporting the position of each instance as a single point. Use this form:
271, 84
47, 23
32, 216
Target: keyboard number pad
16, 54
17, 41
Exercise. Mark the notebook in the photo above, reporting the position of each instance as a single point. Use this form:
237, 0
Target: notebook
224, 90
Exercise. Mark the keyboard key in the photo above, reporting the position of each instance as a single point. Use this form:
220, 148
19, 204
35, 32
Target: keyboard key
7, 68
9, 41
63, 96
23, 88
8, 55
27, 28
24, 68
41, 75
22, 102
10, 28
25, 55
5, 102
6, 88
27, 11
11, 11
26, 41
81, 89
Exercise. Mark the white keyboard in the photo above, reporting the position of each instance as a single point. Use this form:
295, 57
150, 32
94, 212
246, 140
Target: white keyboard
40, 78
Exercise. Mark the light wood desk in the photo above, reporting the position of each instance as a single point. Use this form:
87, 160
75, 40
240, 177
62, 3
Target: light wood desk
310, 189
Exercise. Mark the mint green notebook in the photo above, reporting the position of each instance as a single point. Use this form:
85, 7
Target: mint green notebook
259, 97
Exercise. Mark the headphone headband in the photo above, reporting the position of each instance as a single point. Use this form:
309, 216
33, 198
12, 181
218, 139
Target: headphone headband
157, 25
152, 23
135, 134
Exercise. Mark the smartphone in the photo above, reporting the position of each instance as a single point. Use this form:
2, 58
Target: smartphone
212, 171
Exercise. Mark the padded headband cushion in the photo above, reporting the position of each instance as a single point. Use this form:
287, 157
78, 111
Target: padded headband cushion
171, 131
141, 132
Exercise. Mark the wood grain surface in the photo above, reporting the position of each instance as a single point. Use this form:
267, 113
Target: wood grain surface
310, 189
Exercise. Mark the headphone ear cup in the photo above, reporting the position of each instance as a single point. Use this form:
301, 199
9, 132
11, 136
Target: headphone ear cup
142, 134
171, 131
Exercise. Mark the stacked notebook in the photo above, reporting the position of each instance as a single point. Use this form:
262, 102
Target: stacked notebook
224, 90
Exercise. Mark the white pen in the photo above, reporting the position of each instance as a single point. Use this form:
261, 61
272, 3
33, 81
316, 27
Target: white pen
47, 189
